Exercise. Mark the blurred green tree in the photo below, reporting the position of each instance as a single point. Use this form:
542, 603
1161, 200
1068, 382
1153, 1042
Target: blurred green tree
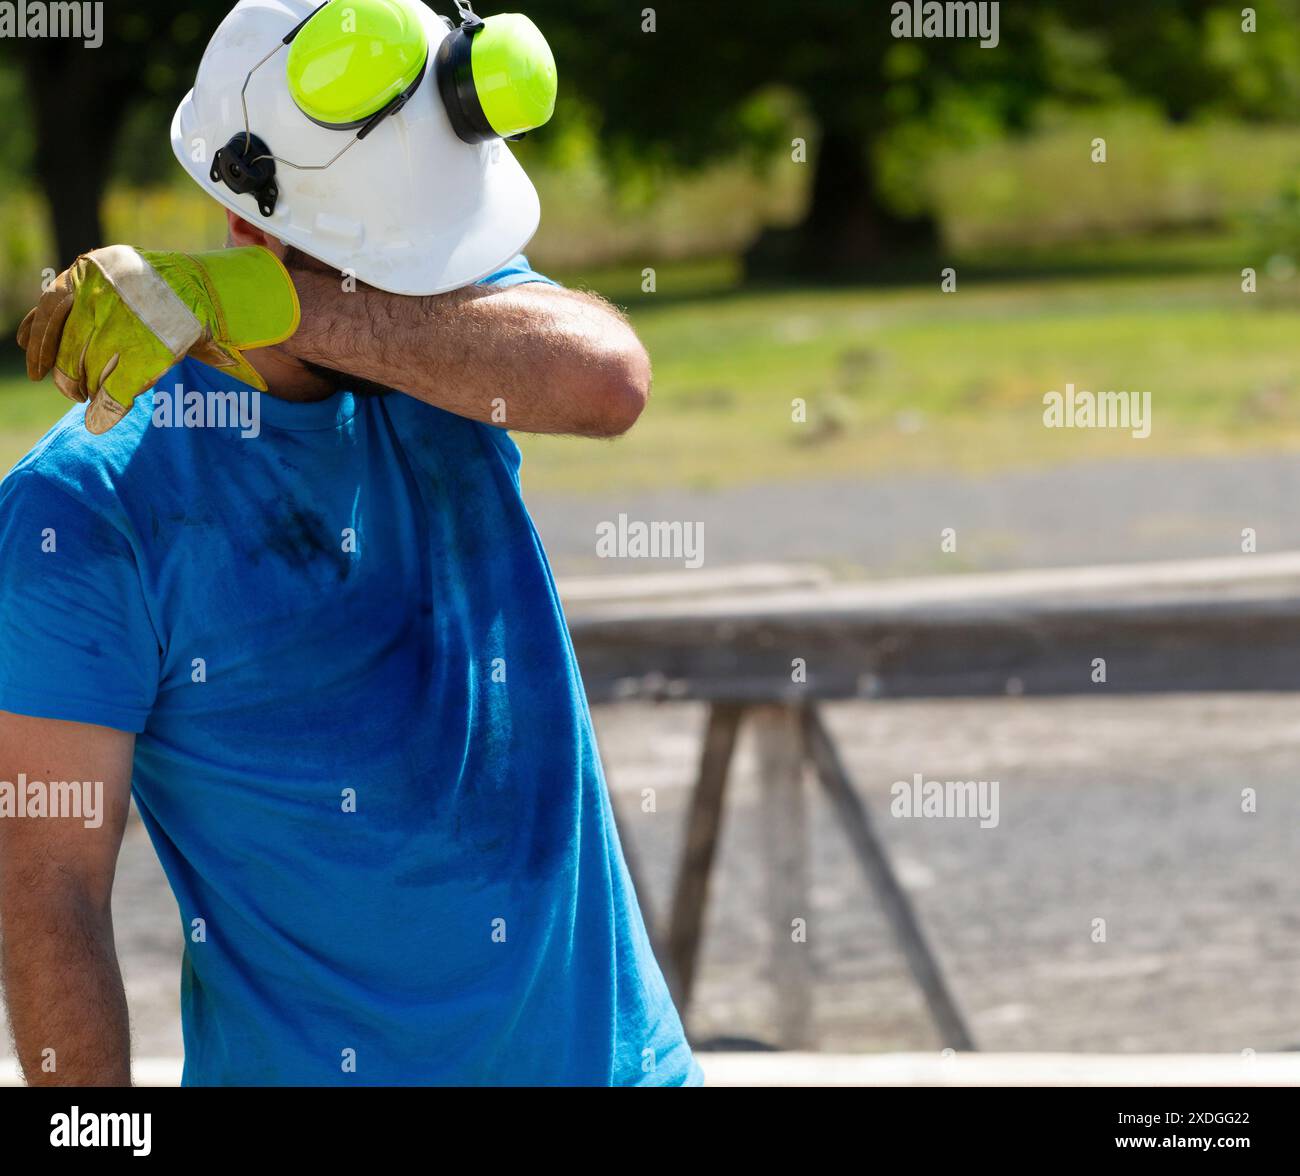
691, 91
80, 98
682, 93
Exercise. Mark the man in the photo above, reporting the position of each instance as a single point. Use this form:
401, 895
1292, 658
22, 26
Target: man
325, 652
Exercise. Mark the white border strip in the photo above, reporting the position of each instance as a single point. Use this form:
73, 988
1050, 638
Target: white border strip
972, 1069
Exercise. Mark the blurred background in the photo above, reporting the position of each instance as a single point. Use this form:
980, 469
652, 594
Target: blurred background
773, 191
796, 179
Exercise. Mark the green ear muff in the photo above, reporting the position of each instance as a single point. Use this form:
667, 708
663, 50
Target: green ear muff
353, 63
496, 76
349, 61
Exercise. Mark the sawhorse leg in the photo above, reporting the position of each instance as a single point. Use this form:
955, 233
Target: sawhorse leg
856, 823
702, 829
789, 737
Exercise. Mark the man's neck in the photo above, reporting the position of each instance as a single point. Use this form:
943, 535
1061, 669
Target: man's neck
287, 378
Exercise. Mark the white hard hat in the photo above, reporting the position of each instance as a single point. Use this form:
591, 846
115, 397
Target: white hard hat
411, 208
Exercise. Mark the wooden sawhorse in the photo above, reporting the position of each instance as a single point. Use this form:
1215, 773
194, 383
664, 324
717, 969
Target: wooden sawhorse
791, 738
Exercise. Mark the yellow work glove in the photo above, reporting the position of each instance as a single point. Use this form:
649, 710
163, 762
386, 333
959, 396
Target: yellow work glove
115, 321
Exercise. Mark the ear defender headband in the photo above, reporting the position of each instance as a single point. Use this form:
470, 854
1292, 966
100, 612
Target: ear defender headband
352, 65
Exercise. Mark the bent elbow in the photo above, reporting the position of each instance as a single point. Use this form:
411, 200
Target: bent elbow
622, 392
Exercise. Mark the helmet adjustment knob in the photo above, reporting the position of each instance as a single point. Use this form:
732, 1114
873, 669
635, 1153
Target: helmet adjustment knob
245, 165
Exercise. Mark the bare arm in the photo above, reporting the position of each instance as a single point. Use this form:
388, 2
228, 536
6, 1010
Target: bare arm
560, 361
61, 979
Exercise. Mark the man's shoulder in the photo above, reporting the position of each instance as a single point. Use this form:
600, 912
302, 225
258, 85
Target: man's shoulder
92, 469
71, 583
72, 460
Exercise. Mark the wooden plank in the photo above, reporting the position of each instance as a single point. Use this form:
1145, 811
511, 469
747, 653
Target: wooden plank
855, 820
784, 823
578, 591
1154, 651
703, 828
1276, 576
1205, 626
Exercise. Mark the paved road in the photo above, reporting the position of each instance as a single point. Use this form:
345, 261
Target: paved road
1101, 512
1115, 809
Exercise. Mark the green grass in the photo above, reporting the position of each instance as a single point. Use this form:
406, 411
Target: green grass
912, 379
1044, 187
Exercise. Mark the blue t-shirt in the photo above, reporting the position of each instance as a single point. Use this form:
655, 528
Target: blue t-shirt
363, 749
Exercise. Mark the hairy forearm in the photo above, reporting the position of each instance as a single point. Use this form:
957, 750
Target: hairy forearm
533, 358
63, 989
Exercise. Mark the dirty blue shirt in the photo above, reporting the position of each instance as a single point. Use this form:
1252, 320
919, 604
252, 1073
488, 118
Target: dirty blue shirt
363, 751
